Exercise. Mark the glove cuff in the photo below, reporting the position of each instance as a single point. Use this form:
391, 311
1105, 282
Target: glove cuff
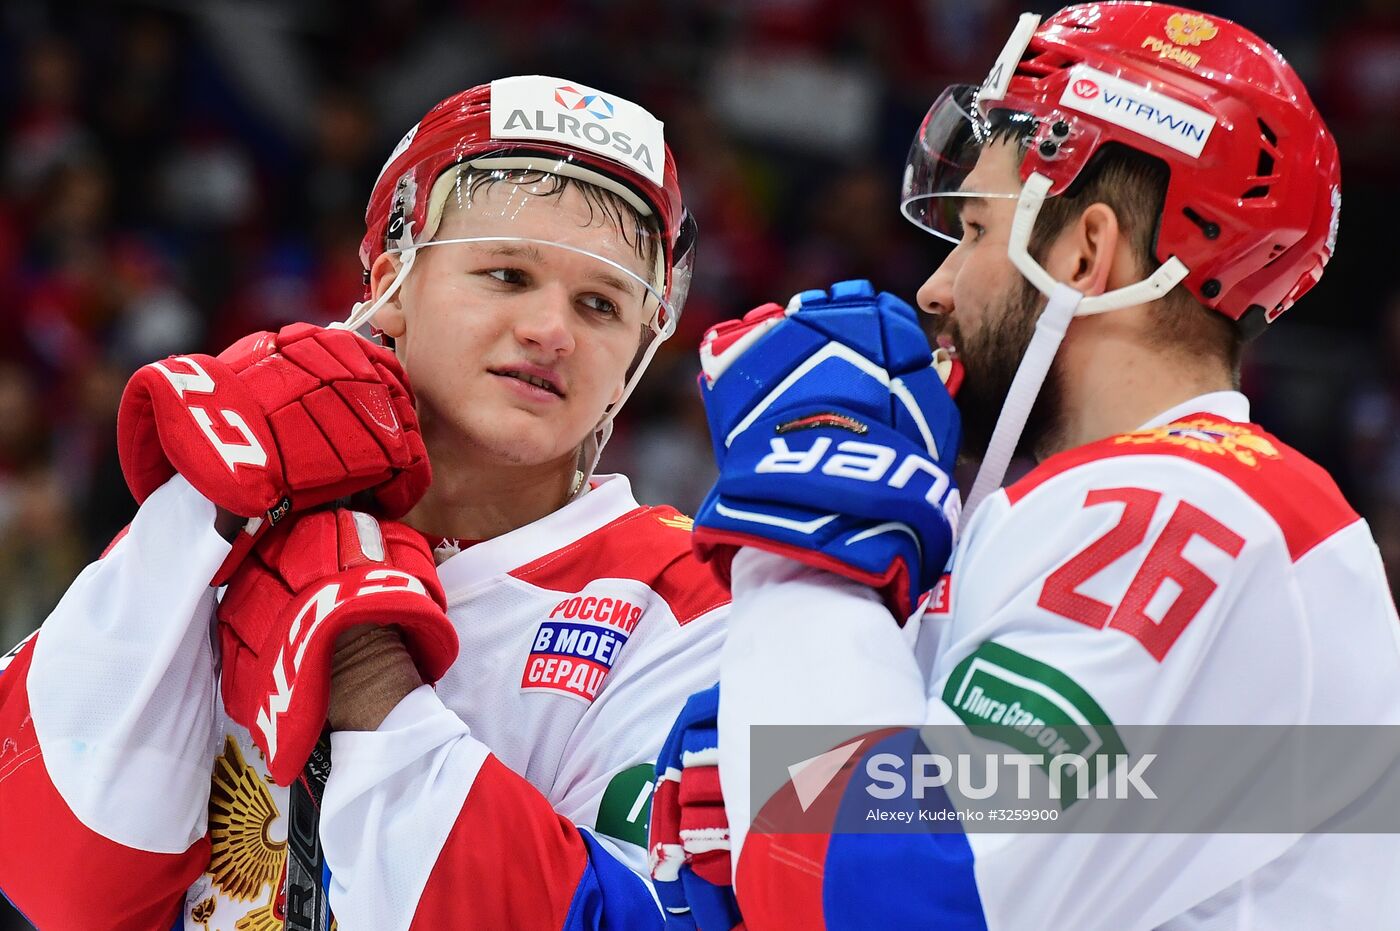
242, 545
894, 583
289, 719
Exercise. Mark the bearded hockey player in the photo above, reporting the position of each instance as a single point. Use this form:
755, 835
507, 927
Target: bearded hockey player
526, 251
1134, 191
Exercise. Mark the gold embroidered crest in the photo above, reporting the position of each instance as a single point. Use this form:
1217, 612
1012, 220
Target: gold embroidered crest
1209, 436
262, 918
244, 858
679, 522
202, 912
1190, 29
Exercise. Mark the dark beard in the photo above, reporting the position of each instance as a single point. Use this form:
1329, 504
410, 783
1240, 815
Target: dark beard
990, 360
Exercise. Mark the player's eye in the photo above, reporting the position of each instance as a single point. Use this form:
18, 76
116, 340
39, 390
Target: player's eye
973, 231
510, 276
601, 305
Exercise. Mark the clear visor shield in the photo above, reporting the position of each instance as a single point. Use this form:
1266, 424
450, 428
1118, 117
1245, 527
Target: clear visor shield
528, 234
945, 152
525, 236
577, 235
965, 149
959, 133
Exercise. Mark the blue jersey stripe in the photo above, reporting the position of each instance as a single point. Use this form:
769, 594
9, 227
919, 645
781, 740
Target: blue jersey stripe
609, 896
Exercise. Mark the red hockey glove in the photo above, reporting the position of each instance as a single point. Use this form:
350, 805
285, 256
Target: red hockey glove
304, 583
278, 422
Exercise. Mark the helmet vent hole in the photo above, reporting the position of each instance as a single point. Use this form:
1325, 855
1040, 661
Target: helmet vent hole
1210, 229
1269, 134
1259, 190
1039, 65
1266, 164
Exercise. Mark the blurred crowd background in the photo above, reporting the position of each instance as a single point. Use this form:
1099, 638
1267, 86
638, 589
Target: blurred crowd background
174, 175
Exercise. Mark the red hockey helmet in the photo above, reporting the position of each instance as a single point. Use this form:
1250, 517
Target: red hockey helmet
517, 129
541, 124
1254, 194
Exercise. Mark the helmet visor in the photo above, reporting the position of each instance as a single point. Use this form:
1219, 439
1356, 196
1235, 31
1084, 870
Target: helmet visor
525, 228
946, 149
522, 234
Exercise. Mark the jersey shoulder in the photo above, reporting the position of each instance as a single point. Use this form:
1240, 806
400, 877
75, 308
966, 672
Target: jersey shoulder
1298, 494
649, 544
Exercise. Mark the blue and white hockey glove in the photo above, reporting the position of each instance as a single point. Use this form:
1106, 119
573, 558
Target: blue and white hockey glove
688, 849
835, 438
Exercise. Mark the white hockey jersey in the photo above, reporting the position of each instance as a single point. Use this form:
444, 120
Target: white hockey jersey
514, 794
1196, 571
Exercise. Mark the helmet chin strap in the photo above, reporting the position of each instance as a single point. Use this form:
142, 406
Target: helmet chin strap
363, 312
1063, 304
588, 455
592, 449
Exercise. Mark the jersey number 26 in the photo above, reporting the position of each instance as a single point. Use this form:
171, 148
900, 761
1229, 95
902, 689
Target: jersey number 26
1165, 562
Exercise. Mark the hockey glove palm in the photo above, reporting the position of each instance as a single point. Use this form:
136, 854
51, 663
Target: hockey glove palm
305, 582
278, 422
835, 439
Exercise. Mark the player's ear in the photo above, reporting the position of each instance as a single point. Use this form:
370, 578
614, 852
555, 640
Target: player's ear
390, 317
1086, 255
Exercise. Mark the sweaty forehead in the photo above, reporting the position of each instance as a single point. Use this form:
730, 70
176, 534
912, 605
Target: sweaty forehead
537, 211
997, 170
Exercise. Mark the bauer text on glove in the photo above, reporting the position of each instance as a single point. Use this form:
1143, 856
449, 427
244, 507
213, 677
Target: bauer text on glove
835, 439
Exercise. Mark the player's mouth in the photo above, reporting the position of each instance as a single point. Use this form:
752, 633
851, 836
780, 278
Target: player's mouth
948, 366
539, 379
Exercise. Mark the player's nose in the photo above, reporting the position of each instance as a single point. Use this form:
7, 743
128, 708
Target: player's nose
935, 295
548, 322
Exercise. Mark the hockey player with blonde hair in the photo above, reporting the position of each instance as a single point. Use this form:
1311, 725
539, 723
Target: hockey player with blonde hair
497, 652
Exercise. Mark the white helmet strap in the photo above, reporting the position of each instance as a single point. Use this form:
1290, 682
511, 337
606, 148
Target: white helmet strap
363, 311
1063, 304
